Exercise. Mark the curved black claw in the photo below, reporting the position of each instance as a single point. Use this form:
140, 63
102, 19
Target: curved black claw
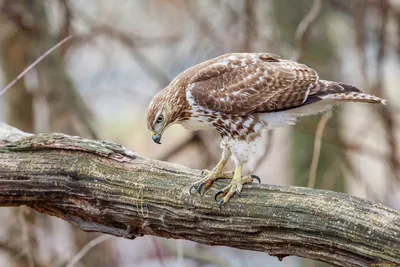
238, 193
220, 203
191, 188
256, 177
200, 187
219, 192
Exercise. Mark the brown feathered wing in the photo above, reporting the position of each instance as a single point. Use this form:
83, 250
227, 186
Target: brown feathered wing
258, 83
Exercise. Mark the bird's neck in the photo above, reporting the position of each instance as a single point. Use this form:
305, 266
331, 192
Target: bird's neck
179, 105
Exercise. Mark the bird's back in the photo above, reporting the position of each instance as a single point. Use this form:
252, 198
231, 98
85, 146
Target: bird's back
244, 83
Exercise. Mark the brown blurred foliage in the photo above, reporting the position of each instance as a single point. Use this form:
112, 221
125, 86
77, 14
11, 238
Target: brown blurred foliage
98, 86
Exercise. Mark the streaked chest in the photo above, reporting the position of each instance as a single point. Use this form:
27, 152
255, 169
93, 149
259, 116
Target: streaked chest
242, 127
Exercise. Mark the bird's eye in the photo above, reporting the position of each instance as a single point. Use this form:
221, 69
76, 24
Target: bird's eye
160, 118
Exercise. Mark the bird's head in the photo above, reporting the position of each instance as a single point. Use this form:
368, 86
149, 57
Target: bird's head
160, 115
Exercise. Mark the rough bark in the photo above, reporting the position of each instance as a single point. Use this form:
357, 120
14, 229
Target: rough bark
103, 187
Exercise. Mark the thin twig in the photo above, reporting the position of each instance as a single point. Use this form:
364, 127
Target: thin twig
206, 27
268, 149
355, 147
202, 257
66, 26
157, 249
37, 61
359, 24
195, 138
385, 112
301, 35
25, 236
317, 148
155, 72
250, 28
179, 252
304, 27
86, 249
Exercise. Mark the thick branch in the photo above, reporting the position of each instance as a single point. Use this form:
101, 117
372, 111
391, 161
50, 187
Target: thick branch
103, 187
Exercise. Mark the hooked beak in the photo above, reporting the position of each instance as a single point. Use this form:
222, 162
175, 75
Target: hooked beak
156, 137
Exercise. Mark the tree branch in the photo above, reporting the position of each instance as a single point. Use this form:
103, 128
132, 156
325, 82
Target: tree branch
305, 26
103, 187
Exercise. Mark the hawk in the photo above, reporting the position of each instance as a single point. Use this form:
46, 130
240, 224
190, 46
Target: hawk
242, 95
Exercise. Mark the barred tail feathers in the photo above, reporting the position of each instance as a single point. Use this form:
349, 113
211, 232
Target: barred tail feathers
340, 92
355, 97
324, 94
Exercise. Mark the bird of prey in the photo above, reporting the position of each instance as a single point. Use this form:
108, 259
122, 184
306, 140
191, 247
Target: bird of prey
242, 95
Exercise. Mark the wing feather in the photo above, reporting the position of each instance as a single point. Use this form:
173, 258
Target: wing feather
248, 83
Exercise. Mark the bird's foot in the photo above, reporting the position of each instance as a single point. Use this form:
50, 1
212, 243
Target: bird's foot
235, 187
208, 180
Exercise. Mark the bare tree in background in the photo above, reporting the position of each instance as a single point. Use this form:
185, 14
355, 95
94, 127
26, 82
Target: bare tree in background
53, 97
162, 38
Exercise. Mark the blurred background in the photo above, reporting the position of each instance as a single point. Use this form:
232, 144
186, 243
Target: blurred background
98, 85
